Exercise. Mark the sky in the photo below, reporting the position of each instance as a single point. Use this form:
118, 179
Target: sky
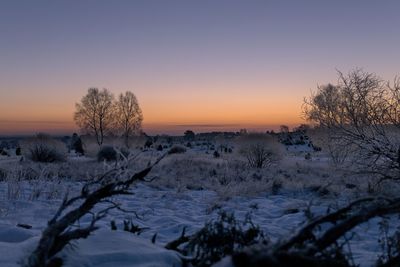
204, 65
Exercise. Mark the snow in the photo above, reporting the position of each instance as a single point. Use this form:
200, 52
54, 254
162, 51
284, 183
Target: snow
165, 212
168, 205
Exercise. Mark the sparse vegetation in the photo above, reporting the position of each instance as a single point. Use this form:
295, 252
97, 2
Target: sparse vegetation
218, 239
177, 150
107, 153
42, 148
260, 150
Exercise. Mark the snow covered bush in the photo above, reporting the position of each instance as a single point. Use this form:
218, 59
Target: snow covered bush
260, 150
43, 148
362, 111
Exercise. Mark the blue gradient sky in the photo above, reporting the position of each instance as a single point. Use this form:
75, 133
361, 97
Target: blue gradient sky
242, 63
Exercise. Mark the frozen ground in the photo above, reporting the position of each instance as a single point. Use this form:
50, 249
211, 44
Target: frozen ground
165, 212
188, 190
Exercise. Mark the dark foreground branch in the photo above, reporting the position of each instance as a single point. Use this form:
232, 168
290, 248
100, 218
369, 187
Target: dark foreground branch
58, 232
312, 246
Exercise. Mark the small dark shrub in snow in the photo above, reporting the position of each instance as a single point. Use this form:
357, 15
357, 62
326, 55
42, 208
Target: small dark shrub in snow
260, 150
3, 174
189, 135
307, 156
42, 148
107, 153
213, 172
222, 237
276, 187
148, 143
316, 148
160, 148
189, 145
177, 150
3, 152
216, 154
76, 144
113, 225
18, 151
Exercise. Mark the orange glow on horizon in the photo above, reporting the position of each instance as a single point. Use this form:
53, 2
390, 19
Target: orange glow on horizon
167, 113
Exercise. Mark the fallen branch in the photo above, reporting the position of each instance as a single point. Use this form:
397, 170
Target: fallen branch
58, 233
311, 246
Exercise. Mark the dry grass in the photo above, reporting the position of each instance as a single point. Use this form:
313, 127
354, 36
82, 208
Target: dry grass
229, 175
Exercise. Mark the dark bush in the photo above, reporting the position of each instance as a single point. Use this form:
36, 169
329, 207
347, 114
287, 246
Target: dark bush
18, 151
3, 152
42, 148
177, 150
222, 237
160, 148
216, 154
76, 144
148, 143
107, 153
3, 174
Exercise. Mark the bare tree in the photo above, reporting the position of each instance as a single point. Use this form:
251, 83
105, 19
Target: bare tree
94, 114
362, 111
129, 116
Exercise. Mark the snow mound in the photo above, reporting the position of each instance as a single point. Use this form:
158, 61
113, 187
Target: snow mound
118, 248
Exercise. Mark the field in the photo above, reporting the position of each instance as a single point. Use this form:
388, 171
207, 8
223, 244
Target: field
184, 191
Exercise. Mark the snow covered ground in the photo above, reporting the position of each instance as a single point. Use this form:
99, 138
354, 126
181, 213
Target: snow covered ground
165, 212
188, 190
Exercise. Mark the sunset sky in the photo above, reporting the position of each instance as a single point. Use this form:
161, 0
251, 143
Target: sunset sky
192, 64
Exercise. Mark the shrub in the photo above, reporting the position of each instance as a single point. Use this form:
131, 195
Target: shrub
160, 148
216, 154
177, 150
3, 152
110, 153
107, 153
3, 174
260, 150
43, 148
18, 151
76, 144
222, 237
148, 143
